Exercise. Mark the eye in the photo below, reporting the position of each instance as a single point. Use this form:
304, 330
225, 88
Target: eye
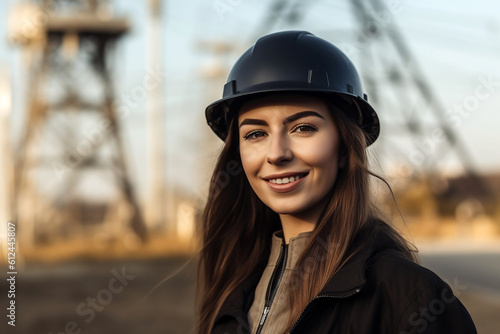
254, 135
304, 128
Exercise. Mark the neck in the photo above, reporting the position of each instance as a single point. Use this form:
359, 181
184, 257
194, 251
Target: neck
294, 224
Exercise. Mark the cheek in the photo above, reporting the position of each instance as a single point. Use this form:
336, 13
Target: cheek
322, 153
320, 157
249, 160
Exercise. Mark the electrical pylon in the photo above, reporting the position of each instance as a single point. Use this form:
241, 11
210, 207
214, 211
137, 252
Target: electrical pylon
413, 104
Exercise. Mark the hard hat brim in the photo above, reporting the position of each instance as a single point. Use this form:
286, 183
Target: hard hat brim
220, 113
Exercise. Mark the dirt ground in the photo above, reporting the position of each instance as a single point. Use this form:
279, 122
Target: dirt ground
88, 298
107, 297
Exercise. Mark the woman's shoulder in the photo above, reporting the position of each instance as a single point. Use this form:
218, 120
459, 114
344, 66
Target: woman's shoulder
392, 263
390, 257
424, 300
391, 270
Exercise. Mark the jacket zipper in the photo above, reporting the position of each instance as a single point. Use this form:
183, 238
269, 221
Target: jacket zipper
335, 296
270, 294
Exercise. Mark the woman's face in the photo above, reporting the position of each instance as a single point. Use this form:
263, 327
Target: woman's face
289, 147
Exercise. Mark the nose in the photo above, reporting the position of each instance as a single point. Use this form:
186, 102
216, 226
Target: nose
279, 150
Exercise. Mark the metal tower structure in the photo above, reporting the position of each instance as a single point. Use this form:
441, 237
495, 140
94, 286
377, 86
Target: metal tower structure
418, 113
389, 65
71, 169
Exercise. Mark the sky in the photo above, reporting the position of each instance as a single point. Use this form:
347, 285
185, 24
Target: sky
455, 45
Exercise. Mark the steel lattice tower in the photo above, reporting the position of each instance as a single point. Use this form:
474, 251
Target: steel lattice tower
71, 148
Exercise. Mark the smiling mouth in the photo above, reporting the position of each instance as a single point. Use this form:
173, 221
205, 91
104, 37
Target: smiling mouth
288, 179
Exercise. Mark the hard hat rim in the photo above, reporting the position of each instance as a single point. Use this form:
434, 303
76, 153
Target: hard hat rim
225, 106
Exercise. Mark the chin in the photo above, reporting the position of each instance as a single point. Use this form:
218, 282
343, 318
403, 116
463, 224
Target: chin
296, 206
288, 209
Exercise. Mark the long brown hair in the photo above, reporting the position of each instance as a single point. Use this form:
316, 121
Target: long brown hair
237, 227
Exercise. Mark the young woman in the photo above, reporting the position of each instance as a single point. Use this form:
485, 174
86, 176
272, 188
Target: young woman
291, 241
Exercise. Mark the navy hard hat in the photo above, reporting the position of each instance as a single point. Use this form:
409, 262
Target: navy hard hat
294, 61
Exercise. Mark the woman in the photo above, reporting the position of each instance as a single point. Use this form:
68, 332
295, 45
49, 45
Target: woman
291, 241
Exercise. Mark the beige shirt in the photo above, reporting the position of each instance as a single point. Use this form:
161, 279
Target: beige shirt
279, 311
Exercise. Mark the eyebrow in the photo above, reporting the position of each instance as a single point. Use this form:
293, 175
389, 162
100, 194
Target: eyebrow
289, 119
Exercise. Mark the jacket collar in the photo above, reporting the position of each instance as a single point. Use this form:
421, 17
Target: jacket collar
240, 300
349, 277
352, 274
295, 247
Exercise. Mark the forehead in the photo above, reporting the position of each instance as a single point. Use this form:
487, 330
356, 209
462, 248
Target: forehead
283, 102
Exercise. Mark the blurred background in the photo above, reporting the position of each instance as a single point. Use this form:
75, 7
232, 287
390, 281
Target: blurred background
105, 155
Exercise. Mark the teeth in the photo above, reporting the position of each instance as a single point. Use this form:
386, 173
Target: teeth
285, 180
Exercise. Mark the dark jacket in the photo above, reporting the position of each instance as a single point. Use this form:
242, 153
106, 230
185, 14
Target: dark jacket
377, 291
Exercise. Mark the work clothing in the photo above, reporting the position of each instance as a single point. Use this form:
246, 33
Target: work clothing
270, 305
377, 291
